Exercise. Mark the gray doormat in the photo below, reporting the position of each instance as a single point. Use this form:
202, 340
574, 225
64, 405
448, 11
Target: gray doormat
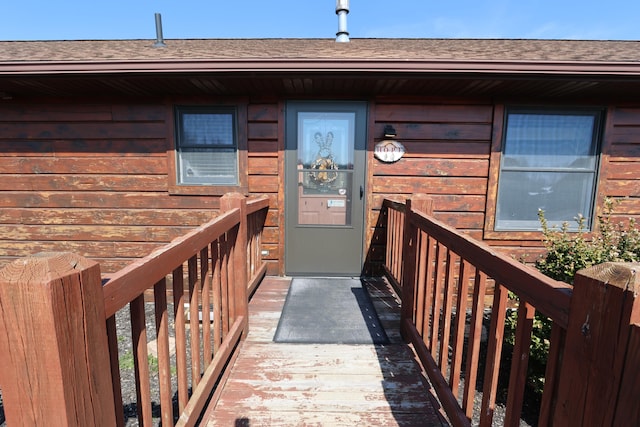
329, 311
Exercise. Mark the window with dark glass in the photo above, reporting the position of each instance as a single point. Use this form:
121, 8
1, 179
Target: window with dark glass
207, 148
549, 162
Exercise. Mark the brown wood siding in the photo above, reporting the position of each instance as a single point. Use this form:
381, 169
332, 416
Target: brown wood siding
263, 170
447, 156
93, 179
620, 169
90, 179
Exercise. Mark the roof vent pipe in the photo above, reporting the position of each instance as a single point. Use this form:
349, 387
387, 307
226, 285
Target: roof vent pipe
342, 9
159, 39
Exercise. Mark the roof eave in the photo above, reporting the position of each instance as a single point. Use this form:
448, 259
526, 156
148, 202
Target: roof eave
322, 66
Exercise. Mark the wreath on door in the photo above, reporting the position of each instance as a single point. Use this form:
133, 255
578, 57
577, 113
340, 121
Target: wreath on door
324, 167
324, 170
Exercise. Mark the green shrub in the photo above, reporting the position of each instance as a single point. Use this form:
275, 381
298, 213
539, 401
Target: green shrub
567, 252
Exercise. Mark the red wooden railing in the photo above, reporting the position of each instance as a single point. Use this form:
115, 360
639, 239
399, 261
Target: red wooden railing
257, 210
62, 365
445, 277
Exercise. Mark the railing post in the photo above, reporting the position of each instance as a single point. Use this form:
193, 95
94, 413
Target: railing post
423, 203
55, 356
228, 202
601, 363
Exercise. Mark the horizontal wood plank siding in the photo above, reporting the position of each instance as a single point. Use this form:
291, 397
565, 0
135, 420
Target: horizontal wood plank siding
90, 199
447, 156
92, 177
263, 170
620, 170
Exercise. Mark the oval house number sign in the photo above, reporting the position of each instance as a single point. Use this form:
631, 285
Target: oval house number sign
389, 151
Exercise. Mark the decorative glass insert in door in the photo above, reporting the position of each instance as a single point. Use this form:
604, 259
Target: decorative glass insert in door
325, 168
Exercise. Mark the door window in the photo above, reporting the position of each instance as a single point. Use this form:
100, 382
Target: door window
325, 167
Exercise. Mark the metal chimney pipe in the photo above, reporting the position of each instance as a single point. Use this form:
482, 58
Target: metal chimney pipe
159, 39
342, 9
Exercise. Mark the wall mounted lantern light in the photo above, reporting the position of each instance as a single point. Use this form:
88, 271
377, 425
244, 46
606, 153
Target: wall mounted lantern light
389, 150
389, 132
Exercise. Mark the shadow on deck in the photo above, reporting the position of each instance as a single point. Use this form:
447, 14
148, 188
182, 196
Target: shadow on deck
323, 384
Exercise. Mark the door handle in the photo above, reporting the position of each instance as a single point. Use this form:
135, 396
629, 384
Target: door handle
361, 192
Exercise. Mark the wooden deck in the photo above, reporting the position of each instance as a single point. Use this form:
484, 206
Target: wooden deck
273, 384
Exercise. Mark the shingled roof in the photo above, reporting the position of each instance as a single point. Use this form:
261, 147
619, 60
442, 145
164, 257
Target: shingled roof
309, 54
322, 67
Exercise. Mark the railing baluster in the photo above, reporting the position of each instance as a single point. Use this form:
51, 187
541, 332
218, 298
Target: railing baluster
397, 242
231, 268
440, 267
394, 235
205, 279
494, 352
465, 274
249, 250
116, 385
391, 240
141, 361
445, 331
429, 292
398, 239
386, 217
181, 341
419, 291
164, 364
194, 326
253, 245
519, 364
390, 243
473, 346
224, 283
217, 296
552, 372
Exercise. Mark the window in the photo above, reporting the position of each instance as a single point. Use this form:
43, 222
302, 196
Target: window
210, 150
207, 149
549, 161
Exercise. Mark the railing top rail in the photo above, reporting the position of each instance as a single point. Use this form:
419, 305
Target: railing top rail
549, 296
128, 283
254, 205
396, 204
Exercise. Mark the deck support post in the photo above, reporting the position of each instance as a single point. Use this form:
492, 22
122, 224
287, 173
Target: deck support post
228, 202
599, 379
423, 203
55, 357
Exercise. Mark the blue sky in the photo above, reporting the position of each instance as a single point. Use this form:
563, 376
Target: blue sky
134, 19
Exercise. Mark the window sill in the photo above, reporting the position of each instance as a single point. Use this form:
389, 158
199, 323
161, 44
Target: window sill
513, 235
207, 190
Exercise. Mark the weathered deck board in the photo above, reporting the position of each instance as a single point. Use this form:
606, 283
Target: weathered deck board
275, 384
